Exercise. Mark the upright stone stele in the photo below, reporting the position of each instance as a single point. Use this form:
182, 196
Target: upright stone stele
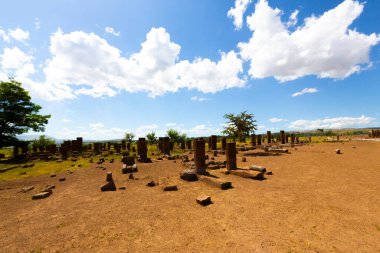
214, 141
259, 139
282, 136
269, 137
231, 156
166, 145
200, 156
224, 143
142, 149
253, 140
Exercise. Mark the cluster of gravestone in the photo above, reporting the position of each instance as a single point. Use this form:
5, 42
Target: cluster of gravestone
375, 133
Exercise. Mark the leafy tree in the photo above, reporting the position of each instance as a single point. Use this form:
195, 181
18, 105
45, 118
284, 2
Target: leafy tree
240, 125
152, 139
129, 136
173, 134
42, 141
18, 114
182, 138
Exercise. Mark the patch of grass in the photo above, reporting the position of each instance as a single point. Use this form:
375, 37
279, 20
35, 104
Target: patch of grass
41, 168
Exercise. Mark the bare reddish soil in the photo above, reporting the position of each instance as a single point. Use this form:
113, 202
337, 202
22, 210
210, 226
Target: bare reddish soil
315, 201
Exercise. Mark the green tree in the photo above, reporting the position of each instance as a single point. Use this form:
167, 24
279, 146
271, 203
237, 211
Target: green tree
129, 136
42, 141
182, 138
152, 139
239, 125
173, 134
18, 114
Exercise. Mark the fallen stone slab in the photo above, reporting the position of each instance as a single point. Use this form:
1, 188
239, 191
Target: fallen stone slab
277, 150
269, 173
259, 168
109, 186
122, 188
48, 187
204, 200
53, 175
41, 195
62, 179
170, 188
248, 174
27, 188
188, 175
223, 185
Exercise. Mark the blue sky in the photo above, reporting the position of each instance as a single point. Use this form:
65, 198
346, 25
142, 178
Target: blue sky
102, 68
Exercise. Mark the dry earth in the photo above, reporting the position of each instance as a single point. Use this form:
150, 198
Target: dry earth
315, 201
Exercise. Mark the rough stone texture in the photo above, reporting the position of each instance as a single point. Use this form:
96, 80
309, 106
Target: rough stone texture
189, 175
170, 188
199, 156
231, 156
41, 195
109, 186
216, 182
248, 174
204, 200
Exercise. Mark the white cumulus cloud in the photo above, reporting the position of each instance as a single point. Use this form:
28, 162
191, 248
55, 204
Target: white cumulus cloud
112, 31
304, 91
277, 120
237, 12
331, 123
16, 63
195, 98
84, 63
17, 34
324, 46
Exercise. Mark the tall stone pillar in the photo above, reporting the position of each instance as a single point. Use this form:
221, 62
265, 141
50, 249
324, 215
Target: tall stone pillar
200, 156
282, 136
231, 156
269, 137
258, 139
142, 149
214, 141
253, 140
224, 142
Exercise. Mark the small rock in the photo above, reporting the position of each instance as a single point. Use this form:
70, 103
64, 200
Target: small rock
188, 175
269, 173
131, 176
170, 188
151, 184
337, 151
41, 195
122, 188
62, 179
53, 175
109, 177
23, 173
204, 200
244, 159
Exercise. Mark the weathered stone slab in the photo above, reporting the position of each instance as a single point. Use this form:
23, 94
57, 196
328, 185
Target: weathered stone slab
41, 195
170, 188
248, 174
223, 185
27, 188
276, 150
109, 186
258, 168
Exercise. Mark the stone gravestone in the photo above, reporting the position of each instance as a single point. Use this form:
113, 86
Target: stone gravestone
80, 144
200, 156
253, 140
282, 136
64, 152
188, 144
213, 142
166, 145
259, 139
142, 149
224, 141
269, 137
123, 144
231, 156
97, 147
292, 138
24, 148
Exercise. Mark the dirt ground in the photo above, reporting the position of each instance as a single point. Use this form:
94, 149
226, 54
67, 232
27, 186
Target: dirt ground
315, 201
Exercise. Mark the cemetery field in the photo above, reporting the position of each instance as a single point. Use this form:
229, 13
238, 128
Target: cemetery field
315, 201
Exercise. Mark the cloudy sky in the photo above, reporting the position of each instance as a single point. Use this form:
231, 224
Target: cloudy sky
102, 68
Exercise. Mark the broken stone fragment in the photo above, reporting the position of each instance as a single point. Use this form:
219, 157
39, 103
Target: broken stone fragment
62, 179
188, 175
337, 151
109, 186
258, 168
26, 189
151, 184
204, 200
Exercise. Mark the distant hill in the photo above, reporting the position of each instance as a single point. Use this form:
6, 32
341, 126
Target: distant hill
36, 136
